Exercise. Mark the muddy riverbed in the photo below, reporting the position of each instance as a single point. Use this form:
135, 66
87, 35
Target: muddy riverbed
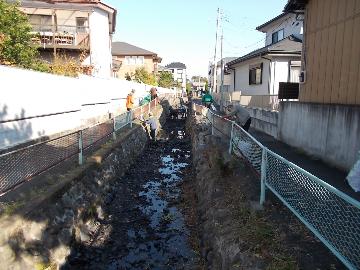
144, 224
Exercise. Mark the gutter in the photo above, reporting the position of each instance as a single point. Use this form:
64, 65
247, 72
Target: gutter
286, 54
260, 54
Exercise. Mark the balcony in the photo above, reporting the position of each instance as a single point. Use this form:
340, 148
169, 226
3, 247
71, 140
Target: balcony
61, 36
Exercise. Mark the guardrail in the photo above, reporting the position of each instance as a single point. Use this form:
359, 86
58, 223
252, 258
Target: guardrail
21, 165
330, 214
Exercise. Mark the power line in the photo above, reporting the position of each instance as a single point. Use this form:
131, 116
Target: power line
251, 45
246, 46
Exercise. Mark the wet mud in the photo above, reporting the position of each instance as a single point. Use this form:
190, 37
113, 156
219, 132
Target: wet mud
144, 226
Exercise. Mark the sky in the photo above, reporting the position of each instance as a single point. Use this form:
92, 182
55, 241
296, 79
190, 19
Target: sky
184, 30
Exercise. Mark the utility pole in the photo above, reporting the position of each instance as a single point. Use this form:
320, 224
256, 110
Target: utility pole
54, 30
216, 41
222, 70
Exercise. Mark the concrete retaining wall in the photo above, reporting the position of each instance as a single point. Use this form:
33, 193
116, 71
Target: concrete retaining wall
330, 132
264, 120
35, 104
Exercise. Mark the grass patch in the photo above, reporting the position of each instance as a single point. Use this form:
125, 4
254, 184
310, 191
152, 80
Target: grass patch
261, 237
282, 263
10, 208
45, 266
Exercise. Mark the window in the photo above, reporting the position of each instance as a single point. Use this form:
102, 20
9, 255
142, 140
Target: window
42, 23
277, 36
179, 71
81, 24
255, 74
140, 60
134, 60
130, 60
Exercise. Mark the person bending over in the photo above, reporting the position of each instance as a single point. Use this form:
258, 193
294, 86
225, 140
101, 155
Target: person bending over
240, 115
152, 122
207, 99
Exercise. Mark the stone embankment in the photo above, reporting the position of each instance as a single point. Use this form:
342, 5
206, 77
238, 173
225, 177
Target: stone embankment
234, 231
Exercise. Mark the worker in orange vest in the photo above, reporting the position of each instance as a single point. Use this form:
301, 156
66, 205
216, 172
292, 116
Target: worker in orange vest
130, 100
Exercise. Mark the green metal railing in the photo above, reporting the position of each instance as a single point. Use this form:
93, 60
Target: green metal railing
330, 214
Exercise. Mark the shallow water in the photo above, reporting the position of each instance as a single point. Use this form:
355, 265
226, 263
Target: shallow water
147, 229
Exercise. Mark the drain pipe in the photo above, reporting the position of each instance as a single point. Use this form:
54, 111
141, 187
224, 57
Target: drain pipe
270, 61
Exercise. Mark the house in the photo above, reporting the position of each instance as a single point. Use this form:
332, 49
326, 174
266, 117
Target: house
198, 84
260, 71
215, 83
127, 58
325, 122
178, 71
81, 29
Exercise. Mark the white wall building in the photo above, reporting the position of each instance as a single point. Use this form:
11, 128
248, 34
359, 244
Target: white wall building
259, 72
74, 29
102, 26
215, 88
178, 71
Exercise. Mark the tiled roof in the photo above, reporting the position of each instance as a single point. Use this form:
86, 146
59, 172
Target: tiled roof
272, 20
123, 48
295, 5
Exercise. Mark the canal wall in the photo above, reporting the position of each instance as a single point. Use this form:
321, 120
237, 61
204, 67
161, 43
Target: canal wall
234, 231
39, 233
218, 240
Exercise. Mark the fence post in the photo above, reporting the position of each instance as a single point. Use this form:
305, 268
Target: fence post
263, 175
114, 128
80, 147
231, 137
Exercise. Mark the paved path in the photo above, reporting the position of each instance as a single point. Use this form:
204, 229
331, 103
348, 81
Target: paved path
329, 174
317, 167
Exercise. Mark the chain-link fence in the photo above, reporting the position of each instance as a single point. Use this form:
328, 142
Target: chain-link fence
330, 214
21, 165
246, 146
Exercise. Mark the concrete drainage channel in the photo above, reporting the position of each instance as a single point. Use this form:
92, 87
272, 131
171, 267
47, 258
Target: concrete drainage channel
145, 227
183, 204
